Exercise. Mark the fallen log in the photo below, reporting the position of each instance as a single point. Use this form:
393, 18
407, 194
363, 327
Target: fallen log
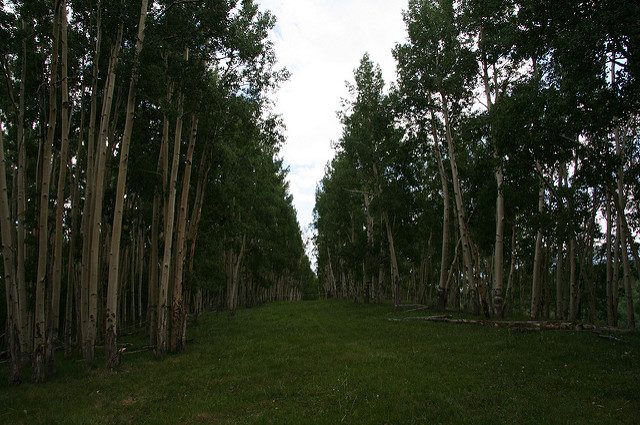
418, 306
610, 337
520, 325
424, 307
142, 350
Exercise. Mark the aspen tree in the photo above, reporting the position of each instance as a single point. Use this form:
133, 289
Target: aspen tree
446, 217
39, 350
498, 251
155, 272
178, 313
114, 254
87, 212
62, 176
96, 230
73, 281
163, 299
626, 269
25, 333
152, 284
560, 262
460, 209
537, 262
611, 313
9, 274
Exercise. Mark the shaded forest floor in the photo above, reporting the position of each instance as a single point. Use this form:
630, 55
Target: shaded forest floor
335, 362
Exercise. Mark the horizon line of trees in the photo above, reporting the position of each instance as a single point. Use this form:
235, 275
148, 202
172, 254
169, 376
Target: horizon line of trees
500, 173
140, 174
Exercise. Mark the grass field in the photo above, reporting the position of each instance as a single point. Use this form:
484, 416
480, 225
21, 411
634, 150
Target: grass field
335, 362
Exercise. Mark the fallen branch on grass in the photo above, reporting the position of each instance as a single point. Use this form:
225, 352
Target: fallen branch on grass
418, 306
142, 350
519, 325
610, 337
424, 307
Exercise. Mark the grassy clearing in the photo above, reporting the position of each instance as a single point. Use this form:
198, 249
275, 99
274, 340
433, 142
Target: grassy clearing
335, 362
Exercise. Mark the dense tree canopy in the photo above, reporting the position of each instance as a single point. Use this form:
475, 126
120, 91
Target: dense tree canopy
142, 180
511, 135
141, 177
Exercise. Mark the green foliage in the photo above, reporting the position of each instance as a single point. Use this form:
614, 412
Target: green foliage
209, 62
540, 91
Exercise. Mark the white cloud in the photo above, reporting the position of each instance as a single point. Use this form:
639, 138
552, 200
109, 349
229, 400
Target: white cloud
321, 42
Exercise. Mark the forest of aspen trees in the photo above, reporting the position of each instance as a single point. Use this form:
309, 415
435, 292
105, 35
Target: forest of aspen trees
142, 178
140, 175
499, 174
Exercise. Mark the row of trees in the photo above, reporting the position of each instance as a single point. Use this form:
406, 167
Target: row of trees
500, 172
139, 173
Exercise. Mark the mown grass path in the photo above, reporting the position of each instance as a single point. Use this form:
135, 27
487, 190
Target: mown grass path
335, 362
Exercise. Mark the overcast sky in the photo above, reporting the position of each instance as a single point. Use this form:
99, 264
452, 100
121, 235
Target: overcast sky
321, 42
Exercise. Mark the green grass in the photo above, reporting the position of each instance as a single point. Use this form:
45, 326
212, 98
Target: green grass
335, 362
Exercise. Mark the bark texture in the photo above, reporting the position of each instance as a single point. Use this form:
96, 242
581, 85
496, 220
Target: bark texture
112, 358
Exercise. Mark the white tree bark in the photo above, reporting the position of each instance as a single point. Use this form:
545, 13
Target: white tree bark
112, 357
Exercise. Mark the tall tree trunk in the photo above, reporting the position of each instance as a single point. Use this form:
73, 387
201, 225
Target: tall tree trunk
132, 277
573, 281
235, 264
426, 277
152, 301
9, 275
380, 281
122, 295
194, 222
98, 194
446, 218
626, 232
395, 274
368, 263
112, 358
163, 170
393, 259
587, 255
560, 261
85, 336
589, 277
72, 279
460, 209
611, 313
498, 251
512, 270
179, 255
62, 179
68, 311
163, 313
536, 287
498, 300
333, 286
622, 202
141, 240
22, 318
560, 281
39, 352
